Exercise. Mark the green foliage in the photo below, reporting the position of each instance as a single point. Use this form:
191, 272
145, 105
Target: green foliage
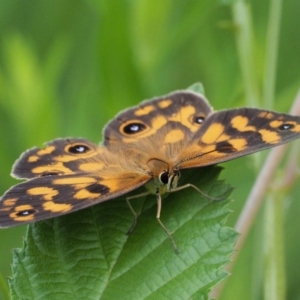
87, 254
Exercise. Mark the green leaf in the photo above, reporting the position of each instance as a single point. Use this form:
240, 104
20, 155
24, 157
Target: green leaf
197, 88
87, 254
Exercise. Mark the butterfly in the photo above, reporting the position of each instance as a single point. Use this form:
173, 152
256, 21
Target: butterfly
146, 145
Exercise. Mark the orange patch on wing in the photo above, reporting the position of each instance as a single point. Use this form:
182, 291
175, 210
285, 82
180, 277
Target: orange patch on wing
58, 167
92, 167
266, 114
46, 192
5, 209
66, 158
47, 150
164, 103
85, 194
276, 123
174, 136
296, 128
184, 116
33, 158
159, 122
269, 136
10, 202
74, 180
117, 184
238, 144
144, 110
212, 133
80, 186
240, 123
56, 207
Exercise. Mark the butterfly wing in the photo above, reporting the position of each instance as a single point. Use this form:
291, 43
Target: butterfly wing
229, 134
65, 176
137, 124
58, 157
178, 130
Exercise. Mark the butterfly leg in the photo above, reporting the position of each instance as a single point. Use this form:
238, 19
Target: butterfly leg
198, 190
135, 215
158, 197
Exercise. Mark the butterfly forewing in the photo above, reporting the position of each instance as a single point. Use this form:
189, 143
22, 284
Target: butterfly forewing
228, 134
58, 157
65, 176
145, 120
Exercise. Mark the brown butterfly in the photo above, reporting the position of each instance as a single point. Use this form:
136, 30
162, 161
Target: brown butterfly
149, 145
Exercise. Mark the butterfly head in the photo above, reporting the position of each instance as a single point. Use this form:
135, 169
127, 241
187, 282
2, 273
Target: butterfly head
169, 179
165, 176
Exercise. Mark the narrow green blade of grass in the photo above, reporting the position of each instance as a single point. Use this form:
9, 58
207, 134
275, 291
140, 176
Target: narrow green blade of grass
87, 255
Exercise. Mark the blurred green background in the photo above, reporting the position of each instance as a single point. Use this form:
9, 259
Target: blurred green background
68, 66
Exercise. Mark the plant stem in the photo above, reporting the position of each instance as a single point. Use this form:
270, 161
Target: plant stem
274, 287
244, 38
274, 277
271, 53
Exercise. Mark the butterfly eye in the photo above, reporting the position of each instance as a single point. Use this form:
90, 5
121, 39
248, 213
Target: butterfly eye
286, 126
79, 149
164, 177
25, 213
133, 128
198, 119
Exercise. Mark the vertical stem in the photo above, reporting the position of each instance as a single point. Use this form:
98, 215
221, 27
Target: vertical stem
274, 281
244, 38
272, 53
275, 285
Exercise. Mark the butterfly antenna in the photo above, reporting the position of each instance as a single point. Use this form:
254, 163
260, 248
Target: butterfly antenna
158, 159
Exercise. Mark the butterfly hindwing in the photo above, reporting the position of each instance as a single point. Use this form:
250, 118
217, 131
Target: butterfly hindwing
47, 197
